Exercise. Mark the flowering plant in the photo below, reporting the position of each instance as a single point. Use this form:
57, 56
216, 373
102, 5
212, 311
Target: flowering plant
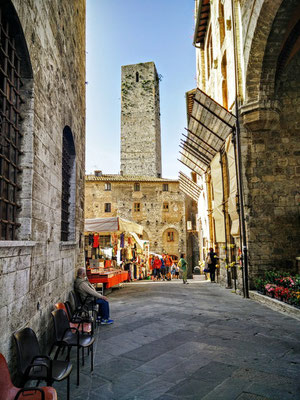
286, 282
282, 292
270, 287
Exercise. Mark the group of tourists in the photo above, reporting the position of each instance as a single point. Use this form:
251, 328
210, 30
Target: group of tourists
165, 268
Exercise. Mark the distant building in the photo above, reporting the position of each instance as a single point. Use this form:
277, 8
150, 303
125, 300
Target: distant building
155, 203
139, 193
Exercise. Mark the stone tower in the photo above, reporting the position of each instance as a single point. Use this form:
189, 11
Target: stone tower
140, 121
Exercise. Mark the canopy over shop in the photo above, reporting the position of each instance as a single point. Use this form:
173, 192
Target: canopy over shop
114, 252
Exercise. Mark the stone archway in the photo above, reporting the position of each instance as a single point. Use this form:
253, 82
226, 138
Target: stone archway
272, 151
170, 241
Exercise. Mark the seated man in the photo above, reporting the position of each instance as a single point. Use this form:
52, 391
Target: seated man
84, 289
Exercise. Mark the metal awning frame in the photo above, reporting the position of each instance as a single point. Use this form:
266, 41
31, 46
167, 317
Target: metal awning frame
195, 151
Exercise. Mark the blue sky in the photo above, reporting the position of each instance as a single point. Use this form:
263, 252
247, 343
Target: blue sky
121, 32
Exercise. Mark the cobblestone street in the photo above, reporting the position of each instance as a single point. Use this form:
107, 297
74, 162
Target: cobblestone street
200, 341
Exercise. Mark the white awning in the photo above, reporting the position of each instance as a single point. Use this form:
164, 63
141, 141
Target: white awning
139, 241
209, 126
113, 224
187, 186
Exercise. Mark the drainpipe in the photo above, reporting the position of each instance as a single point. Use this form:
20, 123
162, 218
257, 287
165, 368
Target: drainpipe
239, 162
233, 140
225, 225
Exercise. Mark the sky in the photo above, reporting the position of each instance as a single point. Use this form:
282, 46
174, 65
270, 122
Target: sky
122, 32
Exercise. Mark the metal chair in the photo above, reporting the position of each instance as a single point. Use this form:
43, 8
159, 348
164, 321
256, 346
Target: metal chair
33, 365
70, 337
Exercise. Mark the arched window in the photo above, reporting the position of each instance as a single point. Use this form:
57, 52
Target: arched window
221, 22
224, 81
15, 72
137, 76
68, 197
137, 187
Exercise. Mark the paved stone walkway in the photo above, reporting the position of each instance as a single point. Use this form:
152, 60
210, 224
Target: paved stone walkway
198, 341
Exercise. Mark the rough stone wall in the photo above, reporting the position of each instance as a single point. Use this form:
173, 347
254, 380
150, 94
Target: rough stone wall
140, 121
272, 173
38, 270
152, 217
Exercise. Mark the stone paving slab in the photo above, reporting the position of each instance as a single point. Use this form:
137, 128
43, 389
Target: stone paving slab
199, 341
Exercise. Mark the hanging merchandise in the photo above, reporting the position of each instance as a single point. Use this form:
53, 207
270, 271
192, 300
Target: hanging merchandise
96, 241
91, 240
122, 237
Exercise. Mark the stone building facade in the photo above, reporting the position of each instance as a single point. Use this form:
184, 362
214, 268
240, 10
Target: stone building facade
42, 156
248, 61
140, 121
155, 203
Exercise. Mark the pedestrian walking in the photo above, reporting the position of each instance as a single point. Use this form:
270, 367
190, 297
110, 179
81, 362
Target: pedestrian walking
211, 260
163, 269
183, 266
177, 269
156, 268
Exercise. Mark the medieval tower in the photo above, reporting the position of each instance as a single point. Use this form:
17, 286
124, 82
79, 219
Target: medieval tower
140, 121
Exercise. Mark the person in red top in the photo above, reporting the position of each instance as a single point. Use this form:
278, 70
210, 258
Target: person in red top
156, 268
168, 264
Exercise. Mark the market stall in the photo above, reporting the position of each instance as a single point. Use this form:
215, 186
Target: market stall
114, 252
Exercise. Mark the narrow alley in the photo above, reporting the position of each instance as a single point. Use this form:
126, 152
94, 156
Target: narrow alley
173, 341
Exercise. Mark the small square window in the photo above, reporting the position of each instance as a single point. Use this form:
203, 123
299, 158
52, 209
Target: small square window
107, 186
137, 187
137, 207
165, 187
166, 206
107, 207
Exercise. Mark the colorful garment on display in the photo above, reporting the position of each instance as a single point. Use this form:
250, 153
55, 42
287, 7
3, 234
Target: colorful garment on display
91, 240
96, 241
122, 237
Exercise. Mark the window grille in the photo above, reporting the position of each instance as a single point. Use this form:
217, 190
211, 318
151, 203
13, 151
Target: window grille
170, 237
165, 187
107, 207
166, 206
10, 135
107, 186
66, 186
137, 187
137, 207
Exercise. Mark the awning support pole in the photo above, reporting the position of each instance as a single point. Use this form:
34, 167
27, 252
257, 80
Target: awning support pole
197, 144
188, 166
213, 113
194, 134
206, 127
195, 152
198, 166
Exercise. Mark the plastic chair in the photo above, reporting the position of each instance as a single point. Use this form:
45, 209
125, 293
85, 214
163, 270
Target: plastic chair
70, 337
10, 392
84, 327
33, 365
